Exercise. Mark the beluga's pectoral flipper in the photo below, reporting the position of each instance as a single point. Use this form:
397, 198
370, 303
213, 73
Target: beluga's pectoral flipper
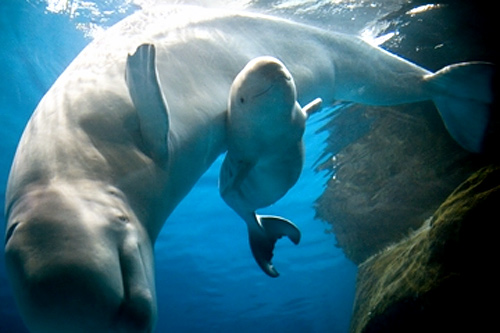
233, 173
151, 106
265, 124
312, 107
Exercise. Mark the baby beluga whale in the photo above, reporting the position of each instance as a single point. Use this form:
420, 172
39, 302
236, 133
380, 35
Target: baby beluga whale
265, 124
118, 141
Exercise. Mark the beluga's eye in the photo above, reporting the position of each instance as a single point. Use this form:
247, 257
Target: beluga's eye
242, 100
123, 218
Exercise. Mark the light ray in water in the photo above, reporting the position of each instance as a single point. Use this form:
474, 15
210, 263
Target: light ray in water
423, 8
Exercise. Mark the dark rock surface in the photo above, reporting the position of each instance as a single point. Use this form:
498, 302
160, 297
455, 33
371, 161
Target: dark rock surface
391, 179
442, 278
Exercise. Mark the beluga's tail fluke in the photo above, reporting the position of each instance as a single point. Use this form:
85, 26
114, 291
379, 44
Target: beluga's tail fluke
464, 97
263, 235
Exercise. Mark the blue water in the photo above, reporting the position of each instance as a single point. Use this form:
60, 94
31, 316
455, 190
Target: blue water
207, 280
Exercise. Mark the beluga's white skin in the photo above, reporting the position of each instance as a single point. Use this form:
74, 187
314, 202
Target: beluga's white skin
119, 140
265, 155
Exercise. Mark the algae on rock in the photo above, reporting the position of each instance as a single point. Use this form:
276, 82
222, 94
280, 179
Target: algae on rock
442, 277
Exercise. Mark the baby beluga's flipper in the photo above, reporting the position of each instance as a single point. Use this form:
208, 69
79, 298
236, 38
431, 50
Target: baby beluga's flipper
312, 107
145, 90
263, 236
232, 174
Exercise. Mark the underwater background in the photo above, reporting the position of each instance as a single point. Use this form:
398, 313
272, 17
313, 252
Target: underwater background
206, 277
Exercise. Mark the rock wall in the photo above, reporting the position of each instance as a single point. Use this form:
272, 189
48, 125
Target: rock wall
442, 278
392, 178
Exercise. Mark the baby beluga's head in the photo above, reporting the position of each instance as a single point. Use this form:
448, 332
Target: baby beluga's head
264, 85
265, 152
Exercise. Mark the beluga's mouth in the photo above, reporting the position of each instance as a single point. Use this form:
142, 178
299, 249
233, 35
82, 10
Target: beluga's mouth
263, 92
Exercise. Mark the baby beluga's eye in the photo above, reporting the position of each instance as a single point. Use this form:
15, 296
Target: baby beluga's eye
242, 100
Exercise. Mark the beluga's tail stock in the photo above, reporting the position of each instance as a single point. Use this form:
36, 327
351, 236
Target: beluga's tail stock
463, 92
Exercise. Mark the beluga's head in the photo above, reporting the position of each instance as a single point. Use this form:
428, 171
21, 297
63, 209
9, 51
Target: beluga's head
79, 249
263, 112
263, 90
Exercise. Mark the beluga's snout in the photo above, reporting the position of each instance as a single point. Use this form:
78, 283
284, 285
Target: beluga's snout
81, 254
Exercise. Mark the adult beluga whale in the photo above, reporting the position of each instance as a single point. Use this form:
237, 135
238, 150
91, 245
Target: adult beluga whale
265, 124
118, 141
